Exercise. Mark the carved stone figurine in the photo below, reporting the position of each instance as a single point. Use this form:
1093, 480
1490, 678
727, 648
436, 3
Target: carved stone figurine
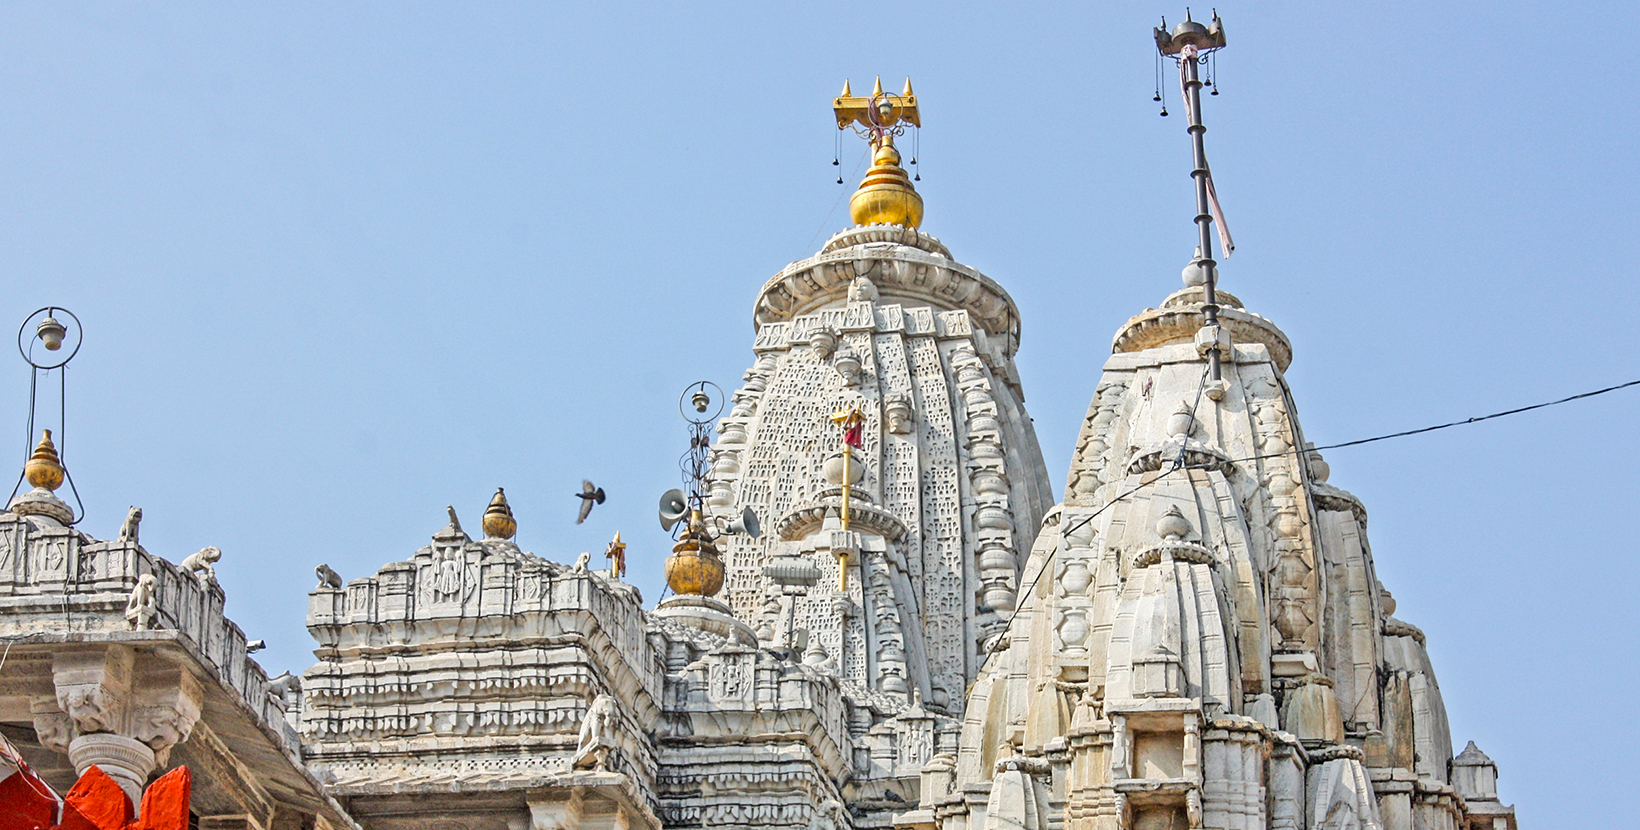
286, 689
597, 735
139, 609
582, 561
202, 564
328, 578
284, 684
825, 817
128, 528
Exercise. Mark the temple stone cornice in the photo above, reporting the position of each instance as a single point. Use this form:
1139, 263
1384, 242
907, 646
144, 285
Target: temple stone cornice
1180, 318
906, 266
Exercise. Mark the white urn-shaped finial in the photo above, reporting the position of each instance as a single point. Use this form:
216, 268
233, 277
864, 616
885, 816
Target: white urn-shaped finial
1182, 421
1194, 274
1172, 525
1319, 469
847, 364
823, 342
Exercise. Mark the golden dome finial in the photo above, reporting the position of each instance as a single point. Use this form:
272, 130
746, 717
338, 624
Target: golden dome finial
694, 566
44, 469
886, 195
498, 517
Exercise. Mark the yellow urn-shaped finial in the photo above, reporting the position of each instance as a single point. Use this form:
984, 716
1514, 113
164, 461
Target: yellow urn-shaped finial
886, 196
44, 469
498, 517
694, 566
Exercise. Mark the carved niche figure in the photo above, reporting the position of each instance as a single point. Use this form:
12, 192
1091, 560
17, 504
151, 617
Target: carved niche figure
54, 729
202, 564
825, 816
139, 609
447, 574
597, 735
862, 290
128, 528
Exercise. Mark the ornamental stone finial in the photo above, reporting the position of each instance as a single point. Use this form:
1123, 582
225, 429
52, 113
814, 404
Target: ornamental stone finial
1172, 524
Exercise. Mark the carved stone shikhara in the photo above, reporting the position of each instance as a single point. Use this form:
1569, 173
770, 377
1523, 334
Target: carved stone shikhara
1210, 646
1195, 637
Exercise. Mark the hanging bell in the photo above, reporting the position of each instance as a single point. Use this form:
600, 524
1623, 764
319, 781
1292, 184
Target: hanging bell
839, 179
1164, 111
1214, 92
835, 163
700, 400
1156, 97
50, 333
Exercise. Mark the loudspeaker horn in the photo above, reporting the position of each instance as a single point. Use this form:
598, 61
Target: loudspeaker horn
747, 524
674, 508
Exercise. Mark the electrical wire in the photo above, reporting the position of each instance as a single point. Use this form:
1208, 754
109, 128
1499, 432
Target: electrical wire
1420, 431
826, 221
1178, 464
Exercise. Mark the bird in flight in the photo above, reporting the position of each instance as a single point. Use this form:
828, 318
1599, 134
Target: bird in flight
589, 496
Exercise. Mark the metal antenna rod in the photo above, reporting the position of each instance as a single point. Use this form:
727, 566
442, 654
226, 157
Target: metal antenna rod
1188, 43
1190, 64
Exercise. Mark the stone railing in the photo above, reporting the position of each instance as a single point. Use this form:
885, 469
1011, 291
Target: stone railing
57, 581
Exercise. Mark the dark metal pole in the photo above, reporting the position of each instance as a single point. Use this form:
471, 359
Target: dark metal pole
1189, 65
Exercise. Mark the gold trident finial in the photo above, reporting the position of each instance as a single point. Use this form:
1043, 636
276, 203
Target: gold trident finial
886, 195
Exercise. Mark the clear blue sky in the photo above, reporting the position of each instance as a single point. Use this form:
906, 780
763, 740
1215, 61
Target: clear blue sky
342, 265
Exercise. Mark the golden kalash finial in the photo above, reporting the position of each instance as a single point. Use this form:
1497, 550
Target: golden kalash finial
498, 517
886, 195
43, 469
616, 553
694, 566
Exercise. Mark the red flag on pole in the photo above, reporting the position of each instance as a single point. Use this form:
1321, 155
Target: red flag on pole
852, 435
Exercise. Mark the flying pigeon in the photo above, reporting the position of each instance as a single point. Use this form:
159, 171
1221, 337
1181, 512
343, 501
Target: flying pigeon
589, 495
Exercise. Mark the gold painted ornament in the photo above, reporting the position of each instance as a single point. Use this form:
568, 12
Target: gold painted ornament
886, 195
44, 469
694, 566
498, 517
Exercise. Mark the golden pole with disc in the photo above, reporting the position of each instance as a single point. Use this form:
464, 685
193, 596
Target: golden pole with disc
851, 420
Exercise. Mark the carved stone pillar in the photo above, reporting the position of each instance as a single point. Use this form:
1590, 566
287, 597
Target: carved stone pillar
118, 711
126, 760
